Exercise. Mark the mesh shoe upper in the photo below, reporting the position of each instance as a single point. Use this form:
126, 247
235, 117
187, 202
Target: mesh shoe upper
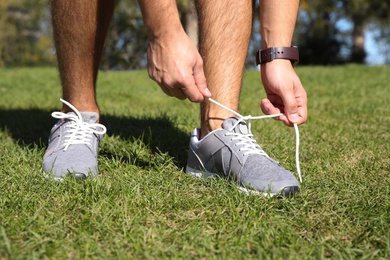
73, 145
233, 153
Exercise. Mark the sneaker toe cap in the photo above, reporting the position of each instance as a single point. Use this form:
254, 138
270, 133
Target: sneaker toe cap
61, 165
267, 176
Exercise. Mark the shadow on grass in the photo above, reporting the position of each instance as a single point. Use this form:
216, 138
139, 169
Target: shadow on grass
160, 134
32, 127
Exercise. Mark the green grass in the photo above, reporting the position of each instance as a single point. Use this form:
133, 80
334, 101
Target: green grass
143, 205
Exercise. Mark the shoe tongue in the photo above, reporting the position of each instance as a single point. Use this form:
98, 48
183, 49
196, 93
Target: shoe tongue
88, 117
240, 128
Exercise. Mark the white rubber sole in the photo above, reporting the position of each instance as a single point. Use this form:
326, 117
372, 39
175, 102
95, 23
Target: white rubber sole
206, 174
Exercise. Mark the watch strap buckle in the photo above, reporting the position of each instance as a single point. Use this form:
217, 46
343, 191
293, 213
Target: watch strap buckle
267, 55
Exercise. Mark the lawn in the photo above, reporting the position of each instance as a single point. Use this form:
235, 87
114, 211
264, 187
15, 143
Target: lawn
142, 205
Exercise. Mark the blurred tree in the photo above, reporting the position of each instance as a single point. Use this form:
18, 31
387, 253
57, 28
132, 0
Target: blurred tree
25, 38
126, 43
323, 38
127, 37
25, 32
255, 40
189, 18
317, 34
362, 14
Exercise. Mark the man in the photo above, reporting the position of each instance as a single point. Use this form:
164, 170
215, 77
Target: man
223, 145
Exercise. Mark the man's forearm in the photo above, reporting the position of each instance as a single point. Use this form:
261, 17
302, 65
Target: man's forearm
278, 18
160, 17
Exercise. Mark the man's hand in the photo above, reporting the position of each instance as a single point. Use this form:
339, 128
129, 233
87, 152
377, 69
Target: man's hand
285, 93
173, 60
176, 65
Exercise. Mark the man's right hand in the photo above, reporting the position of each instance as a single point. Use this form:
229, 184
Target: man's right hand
176, 65
285, 93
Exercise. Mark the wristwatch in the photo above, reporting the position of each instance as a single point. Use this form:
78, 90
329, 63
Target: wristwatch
288, 53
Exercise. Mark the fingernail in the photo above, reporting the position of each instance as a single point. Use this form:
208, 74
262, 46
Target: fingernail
294, 118
207, 92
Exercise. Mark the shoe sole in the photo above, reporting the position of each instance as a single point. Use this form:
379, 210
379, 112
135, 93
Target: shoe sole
286, 192
77, 176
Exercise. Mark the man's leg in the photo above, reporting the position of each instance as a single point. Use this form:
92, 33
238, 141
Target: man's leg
80, 28
224, 34
230, 150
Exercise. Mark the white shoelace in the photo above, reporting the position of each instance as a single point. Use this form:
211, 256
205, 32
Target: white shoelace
249, 144
78, 131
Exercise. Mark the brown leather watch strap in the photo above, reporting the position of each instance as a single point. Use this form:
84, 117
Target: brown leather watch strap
288, 53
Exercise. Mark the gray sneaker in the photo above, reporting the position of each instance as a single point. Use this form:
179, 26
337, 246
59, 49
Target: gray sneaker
232, 152
73, 145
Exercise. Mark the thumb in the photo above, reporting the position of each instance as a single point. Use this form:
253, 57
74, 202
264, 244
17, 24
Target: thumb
290, 107
200, 79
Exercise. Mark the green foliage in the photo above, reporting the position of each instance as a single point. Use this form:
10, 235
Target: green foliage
143, 206
362, 14
321, 39
317, 35
25, 38
126, 43
25, 32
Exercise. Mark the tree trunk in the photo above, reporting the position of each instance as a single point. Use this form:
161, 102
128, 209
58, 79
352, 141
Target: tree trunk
358, 51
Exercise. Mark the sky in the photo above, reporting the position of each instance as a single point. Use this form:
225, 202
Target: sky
374, 56
372, 47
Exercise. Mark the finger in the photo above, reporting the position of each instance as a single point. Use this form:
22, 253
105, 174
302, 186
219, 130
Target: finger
290, 106
269, 109
178, 93
200, 79
302, 115
301, 101
165, 90
173, 92
302, 111
189, 89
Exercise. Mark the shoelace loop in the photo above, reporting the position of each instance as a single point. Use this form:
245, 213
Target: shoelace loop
78, 131
249, 147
